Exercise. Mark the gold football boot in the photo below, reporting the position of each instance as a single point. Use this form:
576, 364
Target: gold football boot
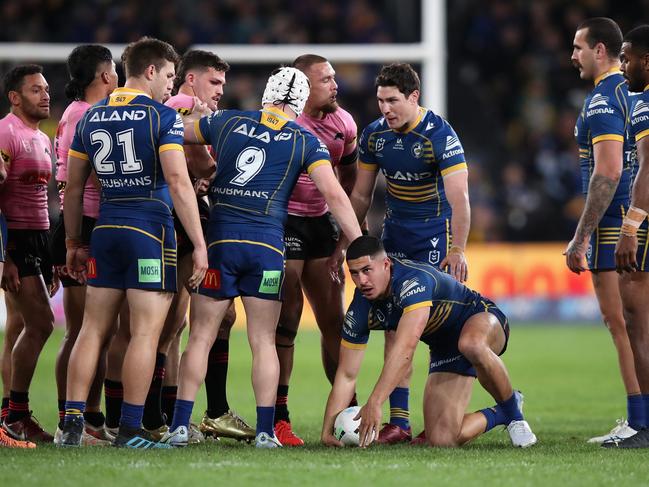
228, 425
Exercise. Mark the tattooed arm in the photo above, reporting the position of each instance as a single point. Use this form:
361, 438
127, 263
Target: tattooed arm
601, 189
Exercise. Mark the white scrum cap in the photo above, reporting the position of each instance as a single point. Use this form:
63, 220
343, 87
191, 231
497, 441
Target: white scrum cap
288, 86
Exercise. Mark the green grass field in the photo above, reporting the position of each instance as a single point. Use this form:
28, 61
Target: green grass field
572, 391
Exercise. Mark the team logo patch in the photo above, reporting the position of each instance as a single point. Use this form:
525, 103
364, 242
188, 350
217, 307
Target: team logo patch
149, 270
417, 149
434, 256
379, 145
91, 267
270, 282
212, 279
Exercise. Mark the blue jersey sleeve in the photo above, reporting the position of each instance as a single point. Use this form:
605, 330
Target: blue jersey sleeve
316, 154
448, 150
356, 331
171, 130
639, 127
366, 158
415, 290
606, 118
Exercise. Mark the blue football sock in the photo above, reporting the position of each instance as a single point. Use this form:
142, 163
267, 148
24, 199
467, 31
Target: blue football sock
182, 413
510, 409
265, 420
131, 415
399, 411
635, 409
495, 416
74, 409
645, 401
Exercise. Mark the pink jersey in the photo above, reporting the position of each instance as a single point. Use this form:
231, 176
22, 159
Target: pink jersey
183, 104
27, 154
336, 130
62, 142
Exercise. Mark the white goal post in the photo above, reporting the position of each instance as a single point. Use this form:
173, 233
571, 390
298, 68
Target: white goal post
430, 53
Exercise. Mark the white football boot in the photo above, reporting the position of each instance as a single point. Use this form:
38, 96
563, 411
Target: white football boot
264, 440
620, 431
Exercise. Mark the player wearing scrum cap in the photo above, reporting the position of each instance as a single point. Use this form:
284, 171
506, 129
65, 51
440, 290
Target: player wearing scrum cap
260, 155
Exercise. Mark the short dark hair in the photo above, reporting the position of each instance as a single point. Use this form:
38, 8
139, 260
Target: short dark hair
604, 30
14, 79
83, 63
197, 59
639, 39
305, 61
141, 54
364, 245
401, 75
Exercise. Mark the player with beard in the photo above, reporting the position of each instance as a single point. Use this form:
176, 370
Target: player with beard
630, 253
310, 237
28, 277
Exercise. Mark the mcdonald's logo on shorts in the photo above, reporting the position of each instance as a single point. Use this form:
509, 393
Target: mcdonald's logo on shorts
212, 279
91, 266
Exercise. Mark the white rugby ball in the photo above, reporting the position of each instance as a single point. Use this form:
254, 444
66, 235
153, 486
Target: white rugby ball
346, 427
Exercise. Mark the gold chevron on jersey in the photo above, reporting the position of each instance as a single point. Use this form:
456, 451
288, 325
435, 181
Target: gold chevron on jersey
418, 193
440, 314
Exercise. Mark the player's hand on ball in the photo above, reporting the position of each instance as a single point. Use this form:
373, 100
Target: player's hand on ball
575, 256
370, 416
328, 439
625, 253
456, 263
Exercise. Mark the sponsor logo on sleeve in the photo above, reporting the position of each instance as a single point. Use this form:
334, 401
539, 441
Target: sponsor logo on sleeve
640, 112
453, 147
598, 105
411, 287
149, 270
349, 324
212, 279
270, 282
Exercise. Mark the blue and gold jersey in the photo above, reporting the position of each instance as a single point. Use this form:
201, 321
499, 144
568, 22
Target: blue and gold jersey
414, 163
123, 137
413, 285
260, 155
639, 119
604, 116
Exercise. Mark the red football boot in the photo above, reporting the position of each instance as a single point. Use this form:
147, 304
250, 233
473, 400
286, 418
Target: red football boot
28, 429
285, 434
391, 434
420, 439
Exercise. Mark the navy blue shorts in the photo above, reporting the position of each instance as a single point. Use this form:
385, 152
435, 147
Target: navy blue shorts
133, 254
444, 353
3, 238
601, 248
244, 264
421, 240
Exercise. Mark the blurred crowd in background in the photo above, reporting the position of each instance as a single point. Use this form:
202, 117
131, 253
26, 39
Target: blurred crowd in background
512, 93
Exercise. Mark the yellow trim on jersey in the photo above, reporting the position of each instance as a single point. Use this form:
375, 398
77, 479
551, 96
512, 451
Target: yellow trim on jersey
80, 155
416, 199
458, 167
415, 306
166, 147
416, 191
198, 133
251, 242
319, 163
402, 187
615, 137
367, 166
642, 135
646, 88
420, 115
353, 346
127, 227
605, 74
273, 118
